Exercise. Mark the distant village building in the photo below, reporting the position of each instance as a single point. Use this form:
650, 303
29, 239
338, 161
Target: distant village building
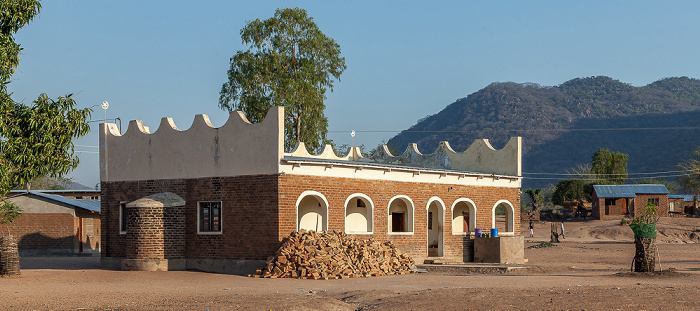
682, 205
54, 224
222, 199
617, 201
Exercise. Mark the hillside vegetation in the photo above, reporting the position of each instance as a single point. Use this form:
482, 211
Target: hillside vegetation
556, 122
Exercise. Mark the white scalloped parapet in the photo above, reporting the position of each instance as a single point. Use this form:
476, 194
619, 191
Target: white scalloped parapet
480, 157
236, 148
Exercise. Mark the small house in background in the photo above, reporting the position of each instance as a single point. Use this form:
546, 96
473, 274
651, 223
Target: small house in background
52, 224
617, 201
682, 205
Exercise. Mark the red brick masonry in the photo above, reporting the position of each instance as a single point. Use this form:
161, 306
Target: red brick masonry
259, 210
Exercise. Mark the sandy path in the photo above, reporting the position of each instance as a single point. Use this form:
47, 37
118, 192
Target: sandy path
574, 275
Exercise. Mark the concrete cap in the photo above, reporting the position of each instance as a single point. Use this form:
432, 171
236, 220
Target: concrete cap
163, 199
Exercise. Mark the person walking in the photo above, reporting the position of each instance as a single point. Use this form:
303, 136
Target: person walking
532, 227
561, 225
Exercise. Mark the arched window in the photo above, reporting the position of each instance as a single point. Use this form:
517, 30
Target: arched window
400, 215
359, 209
503, 217
463, 216
312, 211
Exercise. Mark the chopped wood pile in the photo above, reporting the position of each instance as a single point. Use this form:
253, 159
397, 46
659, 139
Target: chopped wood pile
334, 255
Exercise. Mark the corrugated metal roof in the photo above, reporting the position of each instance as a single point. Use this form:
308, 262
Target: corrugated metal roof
627, 191
685, 197
90, 205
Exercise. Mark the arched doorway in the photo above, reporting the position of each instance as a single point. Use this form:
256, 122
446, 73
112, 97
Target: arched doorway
435, 223
312, 211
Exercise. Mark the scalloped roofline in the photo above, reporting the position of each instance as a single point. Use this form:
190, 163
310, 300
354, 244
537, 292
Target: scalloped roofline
242, 148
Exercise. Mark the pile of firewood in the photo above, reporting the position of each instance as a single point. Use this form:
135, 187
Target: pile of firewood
334, 255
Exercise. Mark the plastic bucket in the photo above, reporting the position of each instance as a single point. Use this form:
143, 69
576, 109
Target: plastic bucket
477, 232
494, 233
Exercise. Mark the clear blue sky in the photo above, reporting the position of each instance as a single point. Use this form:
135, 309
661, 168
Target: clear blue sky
406, 59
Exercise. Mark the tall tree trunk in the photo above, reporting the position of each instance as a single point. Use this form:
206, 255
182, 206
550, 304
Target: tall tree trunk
9, 256
645, 254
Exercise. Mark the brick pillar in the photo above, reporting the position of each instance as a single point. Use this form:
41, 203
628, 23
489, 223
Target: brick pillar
150, 223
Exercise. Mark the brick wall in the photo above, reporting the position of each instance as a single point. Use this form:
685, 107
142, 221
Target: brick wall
337, 190
641, 201
45, 231
249, 215
259, 210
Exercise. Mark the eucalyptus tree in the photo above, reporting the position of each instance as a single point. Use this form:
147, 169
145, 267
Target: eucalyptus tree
289, 62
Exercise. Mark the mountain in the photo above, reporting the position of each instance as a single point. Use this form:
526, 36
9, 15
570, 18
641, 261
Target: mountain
563, 125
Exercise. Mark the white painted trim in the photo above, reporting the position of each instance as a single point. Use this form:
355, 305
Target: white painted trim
413, 212
221, 218
472, 214
371, 206
431, 200
375, 172
512, 218
317, 195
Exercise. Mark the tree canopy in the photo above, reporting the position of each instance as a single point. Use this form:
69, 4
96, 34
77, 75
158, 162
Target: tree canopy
289, 63
35, 140
610, 167
569, 190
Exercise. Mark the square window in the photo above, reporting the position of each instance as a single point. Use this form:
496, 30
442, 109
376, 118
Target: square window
209, 216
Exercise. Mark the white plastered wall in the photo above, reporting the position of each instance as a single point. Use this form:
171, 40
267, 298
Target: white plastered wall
312, 211
358, 220
236, 148
459, 206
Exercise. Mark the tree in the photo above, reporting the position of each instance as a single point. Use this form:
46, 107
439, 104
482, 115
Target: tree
690, 181
34, 140
289, 63
536, 196
610, 167
569, 190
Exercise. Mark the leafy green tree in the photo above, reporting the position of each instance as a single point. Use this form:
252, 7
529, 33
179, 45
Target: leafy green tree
690, 181
610, 167
536, 196
34, 140
569, 190
289, 63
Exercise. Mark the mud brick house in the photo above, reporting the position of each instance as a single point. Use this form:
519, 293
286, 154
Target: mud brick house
681, 205
52, 224
617, 201
222, 199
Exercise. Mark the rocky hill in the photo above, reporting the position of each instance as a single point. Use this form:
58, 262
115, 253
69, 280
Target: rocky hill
563, 125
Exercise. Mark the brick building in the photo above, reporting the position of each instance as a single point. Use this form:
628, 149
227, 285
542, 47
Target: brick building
235, 193
618, 201
52, 224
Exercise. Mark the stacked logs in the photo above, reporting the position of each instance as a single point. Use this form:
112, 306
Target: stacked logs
334, 255
9, 257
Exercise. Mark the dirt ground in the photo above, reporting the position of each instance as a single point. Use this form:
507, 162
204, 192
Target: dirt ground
589, 270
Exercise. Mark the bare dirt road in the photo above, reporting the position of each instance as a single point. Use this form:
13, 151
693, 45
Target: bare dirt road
588, 271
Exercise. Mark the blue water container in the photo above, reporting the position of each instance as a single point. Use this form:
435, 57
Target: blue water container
494, 233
